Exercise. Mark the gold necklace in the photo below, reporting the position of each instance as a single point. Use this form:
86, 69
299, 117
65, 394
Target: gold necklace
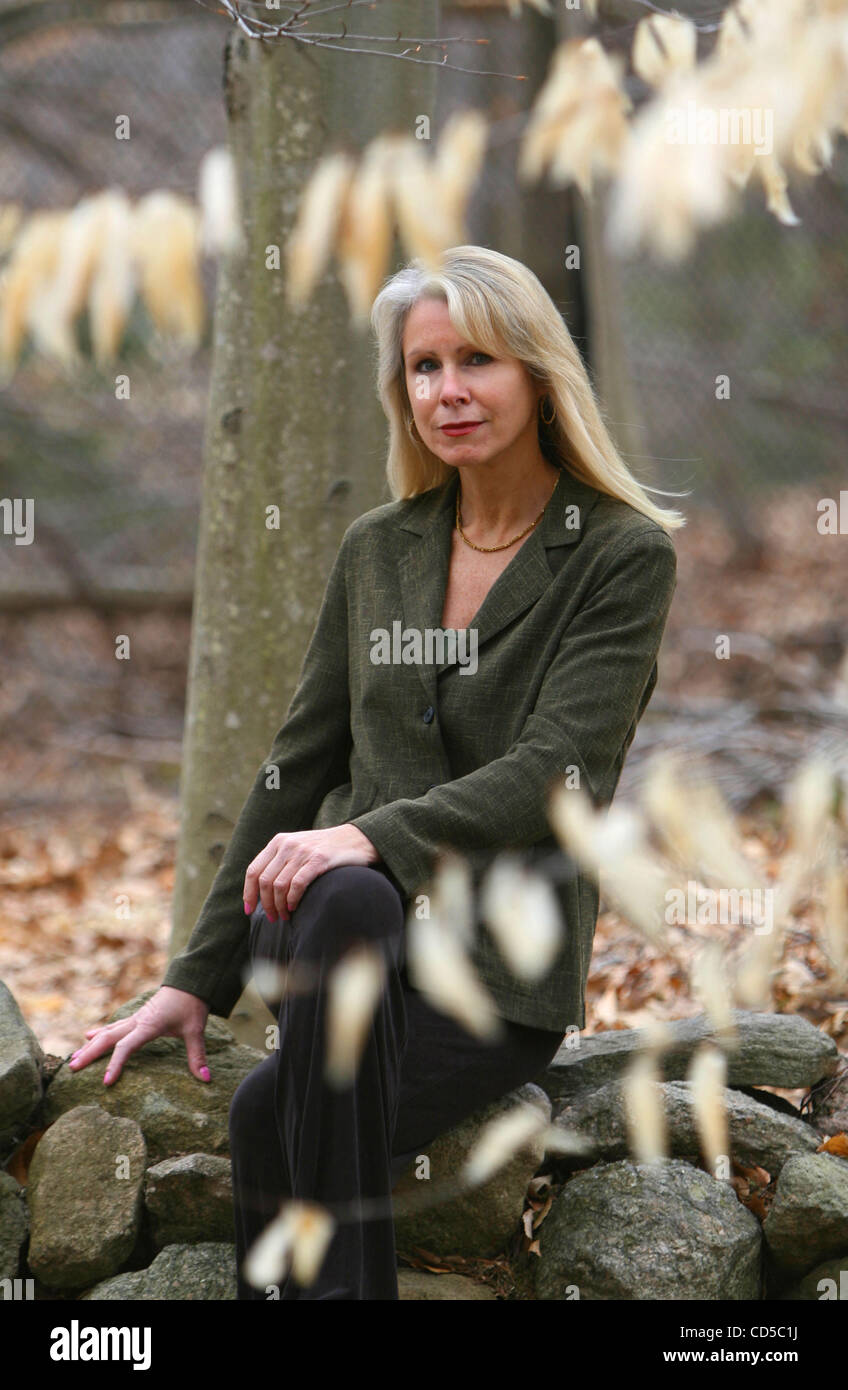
489, 549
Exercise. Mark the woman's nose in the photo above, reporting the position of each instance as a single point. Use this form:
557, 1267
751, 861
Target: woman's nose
453, 387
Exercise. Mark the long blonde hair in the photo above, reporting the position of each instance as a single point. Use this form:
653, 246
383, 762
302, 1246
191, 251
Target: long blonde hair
501, 307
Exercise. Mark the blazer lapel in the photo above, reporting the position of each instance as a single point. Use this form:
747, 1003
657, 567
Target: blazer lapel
423, 570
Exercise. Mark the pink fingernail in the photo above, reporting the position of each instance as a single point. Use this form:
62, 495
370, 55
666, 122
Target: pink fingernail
204, 1072
107, 1077
247, 907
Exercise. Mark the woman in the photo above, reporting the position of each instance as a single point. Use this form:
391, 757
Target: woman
514, 519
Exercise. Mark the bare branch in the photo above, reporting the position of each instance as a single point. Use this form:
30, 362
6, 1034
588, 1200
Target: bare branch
256, 28
426, 62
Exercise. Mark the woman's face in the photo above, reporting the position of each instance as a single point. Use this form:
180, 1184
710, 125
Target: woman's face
449, 380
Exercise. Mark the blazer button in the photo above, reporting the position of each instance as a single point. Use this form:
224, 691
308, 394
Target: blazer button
428, 714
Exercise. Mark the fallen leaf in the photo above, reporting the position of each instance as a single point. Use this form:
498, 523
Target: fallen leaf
836, 1144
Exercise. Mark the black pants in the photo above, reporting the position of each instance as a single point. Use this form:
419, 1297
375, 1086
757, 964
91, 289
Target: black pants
420, 1073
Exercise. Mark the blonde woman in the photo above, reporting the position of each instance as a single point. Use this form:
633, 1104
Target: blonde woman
515, 526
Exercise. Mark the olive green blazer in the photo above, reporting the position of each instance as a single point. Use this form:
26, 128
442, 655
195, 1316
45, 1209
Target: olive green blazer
421, 755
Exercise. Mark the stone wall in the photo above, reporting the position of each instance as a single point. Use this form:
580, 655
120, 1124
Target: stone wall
128, 1192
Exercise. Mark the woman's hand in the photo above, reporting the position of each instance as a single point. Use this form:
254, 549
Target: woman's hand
172, 1013
282, 872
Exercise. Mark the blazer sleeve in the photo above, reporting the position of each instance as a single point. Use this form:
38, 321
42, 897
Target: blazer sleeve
311, 752
589, 700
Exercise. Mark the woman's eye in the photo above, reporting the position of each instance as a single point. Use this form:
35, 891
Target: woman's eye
424, 360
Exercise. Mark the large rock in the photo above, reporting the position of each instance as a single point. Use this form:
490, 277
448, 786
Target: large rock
14, 1225
643, 1231
190, 1199
416, 1286
774, 1050
808, 1219
121, 1287
178, 1113
204, 1273
758, 1134
478, 1221
85, 1197
21, 1060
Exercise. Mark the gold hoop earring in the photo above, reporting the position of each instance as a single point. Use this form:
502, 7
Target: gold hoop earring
542, 413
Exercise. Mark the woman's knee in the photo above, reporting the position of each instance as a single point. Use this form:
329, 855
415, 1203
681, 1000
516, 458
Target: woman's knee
350, 903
